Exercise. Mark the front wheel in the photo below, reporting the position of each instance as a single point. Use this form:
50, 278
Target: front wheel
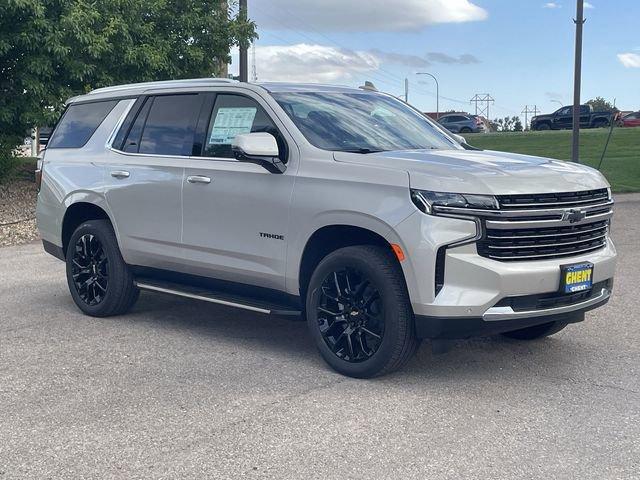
537, 331
359, 314
100, 282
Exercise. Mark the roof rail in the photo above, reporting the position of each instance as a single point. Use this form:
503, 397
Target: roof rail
162, 83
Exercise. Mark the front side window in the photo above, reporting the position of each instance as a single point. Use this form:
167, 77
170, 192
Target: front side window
169, 128
233, 115
361, 122
79, 123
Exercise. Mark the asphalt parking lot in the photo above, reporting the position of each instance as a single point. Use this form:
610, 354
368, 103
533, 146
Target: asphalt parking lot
181, 389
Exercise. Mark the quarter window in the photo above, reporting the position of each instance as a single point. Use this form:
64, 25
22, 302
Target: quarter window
79, 123
233, 115
170, 126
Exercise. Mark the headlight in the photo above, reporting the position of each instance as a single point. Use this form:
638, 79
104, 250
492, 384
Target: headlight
429, 202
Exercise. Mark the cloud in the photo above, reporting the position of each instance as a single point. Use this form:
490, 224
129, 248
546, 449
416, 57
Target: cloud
588, 5
305, 62
362, 15
629, 60
400, 58
465, 59
311, 63
552, 5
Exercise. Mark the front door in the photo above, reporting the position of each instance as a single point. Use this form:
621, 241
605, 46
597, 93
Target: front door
236, 214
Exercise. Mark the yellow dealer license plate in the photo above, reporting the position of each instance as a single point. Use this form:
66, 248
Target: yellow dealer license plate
576, 278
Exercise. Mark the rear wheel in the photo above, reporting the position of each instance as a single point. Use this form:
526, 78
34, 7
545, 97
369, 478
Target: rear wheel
99, 280
465, 130
601, 124
537, 331
359, 314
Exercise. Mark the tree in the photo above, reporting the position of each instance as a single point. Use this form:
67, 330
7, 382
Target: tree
517, 125
599, 104
508, 124
53, 49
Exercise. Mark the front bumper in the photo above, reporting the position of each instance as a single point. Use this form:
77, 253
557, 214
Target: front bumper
479, 295
505, 319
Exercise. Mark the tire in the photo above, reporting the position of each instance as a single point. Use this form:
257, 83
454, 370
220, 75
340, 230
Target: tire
465, 130
374, 313
100, 282
537, 331
543, 127
601, 124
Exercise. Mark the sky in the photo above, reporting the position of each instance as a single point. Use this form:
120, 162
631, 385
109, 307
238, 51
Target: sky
518, 51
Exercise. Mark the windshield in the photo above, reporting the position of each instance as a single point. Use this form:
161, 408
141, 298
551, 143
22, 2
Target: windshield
361, 122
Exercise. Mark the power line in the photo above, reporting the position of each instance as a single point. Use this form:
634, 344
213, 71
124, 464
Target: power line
482, 102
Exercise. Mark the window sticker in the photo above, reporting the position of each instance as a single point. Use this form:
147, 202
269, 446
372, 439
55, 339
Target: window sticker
230, 122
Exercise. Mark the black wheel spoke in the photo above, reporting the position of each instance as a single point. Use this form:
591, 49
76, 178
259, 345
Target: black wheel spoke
90, 269
350, 315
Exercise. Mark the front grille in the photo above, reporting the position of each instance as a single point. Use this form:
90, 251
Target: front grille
553, 200
546, 226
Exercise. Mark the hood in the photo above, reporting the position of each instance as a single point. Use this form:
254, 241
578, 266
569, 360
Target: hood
483, 171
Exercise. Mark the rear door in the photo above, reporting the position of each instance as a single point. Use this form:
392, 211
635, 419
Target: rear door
144, 177
236, 214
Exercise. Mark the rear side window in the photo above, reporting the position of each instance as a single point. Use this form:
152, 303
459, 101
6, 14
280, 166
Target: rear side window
78, 123
170, 126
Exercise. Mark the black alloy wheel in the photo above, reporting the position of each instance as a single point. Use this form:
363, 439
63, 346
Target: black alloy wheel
351, 315
90, 269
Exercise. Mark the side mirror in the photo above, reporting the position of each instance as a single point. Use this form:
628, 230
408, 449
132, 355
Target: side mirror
260, 148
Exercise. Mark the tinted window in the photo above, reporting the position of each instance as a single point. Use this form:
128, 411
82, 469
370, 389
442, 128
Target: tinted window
362, 122
78, 124
170, 125
233, 115
565, 111
132, 141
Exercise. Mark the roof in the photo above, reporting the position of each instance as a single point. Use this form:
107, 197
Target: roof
139, 88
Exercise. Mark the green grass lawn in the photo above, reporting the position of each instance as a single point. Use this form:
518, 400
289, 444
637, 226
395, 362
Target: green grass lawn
621, 164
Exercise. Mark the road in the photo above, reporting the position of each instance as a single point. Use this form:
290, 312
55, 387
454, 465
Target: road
181, 389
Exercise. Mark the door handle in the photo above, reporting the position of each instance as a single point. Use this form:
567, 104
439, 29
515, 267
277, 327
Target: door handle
198, 179
120, 174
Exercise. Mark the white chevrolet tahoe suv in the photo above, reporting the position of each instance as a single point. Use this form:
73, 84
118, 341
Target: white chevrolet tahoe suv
344, 206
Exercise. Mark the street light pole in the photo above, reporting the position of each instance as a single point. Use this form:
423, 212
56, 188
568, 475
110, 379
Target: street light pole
437, 92
579, 21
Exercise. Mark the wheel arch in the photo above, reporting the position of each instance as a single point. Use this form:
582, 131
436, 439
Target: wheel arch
77, 213
331, 237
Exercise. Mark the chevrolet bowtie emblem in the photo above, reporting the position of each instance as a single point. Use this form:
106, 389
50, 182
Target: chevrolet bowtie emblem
574, 216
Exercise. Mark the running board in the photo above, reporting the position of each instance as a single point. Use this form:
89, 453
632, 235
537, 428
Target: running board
219, 298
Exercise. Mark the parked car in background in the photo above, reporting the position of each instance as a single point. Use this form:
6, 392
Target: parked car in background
563, 118
460, 123
631, 120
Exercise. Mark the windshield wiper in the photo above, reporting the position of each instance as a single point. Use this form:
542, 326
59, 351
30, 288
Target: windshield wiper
359, 150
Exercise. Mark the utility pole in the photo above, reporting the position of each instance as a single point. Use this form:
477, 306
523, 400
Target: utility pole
482, 98
579, 21
437, 92
527, 110
244, 60
406, 90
